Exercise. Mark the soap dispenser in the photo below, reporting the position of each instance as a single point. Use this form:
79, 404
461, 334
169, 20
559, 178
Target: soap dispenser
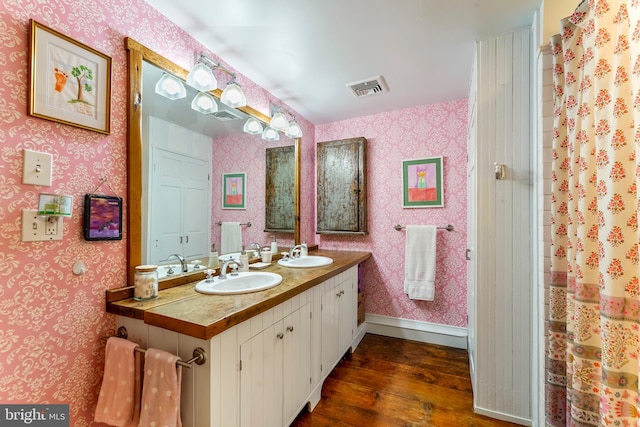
213, 257
274, 246
304, 249
244, 260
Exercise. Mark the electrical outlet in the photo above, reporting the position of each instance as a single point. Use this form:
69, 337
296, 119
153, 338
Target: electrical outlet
51, 227
36, 168
40, 228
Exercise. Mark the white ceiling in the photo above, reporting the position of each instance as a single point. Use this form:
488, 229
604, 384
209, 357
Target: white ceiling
305, 51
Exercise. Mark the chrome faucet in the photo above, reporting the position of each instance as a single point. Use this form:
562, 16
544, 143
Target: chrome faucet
293, 251
223, 269
183, 262
257, 245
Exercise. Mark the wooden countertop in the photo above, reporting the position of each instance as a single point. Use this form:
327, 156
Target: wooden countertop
182, 309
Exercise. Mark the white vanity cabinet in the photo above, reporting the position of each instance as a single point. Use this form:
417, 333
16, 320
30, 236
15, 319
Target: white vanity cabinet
275, 371
339, 318
263, 371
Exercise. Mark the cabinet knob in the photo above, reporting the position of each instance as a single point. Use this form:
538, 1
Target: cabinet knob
290, 328
280, 335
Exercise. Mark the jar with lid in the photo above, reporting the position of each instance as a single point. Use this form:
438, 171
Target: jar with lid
145, 282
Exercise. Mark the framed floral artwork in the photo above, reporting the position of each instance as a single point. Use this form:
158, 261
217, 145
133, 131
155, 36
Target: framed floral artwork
422, 184
69, 82
233, 190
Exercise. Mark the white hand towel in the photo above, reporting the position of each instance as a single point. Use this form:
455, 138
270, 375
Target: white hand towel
420, 262
230, 237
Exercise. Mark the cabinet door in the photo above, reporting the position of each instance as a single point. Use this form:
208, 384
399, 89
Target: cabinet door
341, 187
197, 200
279, 182
297, 360
346, 309
261, 379
330, 329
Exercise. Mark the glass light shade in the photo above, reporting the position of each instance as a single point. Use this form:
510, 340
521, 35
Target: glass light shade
294, 130
252, 126
279, 121
201, 78
270, 134
204, 103
170, 87
232, 96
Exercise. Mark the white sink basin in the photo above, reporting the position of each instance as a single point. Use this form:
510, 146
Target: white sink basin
231, 255
306, 261
243, 283
172, 270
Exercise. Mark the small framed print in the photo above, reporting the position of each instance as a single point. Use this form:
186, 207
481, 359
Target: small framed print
102, 217
69, 82
233, 190
422, 185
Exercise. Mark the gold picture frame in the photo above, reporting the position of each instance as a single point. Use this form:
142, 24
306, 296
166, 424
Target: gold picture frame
69, 82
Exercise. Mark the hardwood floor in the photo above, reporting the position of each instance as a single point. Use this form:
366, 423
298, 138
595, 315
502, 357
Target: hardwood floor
395, 382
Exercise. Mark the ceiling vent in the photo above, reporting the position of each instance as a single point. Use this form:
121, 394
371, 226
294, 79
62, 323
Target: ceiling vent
371, 86
225, 115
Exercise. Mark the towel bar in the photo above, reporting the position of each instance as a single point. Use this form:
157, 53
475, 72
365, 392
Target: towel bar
248, 224
448, 227
199, 354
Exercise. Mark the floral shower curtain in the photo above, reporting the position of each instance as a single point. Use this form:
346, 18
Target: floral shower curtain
592, 365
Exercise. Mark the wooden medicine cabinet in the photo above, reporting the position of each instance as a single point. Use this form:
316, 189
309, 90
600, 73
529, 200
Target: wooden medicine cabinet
341, 186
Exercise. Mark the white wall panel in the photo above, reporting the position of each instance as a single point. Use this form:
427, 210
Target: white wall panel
501, 312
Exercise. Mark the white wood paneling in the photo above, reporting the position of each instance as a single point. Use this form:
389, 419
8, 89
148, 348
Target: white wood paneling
500, 282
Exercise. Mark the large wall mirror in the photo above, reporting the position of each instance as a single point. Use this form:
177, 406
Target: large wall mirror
178, 160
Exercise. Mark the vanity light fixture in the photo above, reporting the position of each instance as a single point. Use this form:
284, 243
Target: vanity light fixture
204, 103
270, 134
232, 95
279, 121
252, 126
294, 130
170, 87
201, 78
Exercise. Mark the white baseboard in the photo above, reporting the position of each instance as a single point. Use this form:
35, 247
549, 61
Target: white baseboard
503, 417
433, 333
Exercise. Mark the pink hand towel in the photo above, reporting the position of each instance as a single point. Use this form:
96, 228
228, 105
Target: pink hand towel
161, 390
117, 399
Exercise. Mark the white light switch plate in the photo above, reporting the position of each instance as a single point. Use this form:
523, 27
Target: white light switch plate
36, 168
40, 228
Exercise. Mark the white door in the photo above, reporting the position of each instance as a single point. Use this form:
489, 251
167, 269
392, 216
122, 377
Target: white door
179, 208
472, 192
165, 213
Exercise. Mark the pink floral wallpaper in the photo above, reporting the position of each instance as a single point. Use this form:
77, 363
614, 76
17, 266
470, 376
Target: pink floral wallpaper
413, 133
53, 323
